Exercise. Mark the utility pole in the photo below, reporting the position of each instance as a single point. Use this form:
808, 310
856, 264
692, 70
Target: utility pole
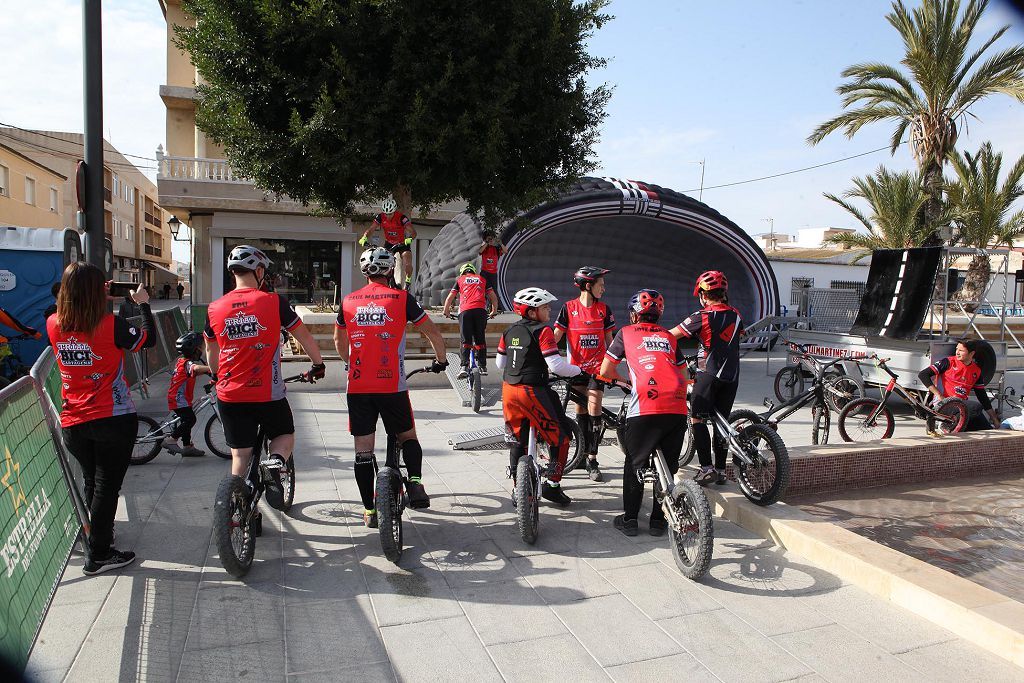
771, 233
92, 44
700, 194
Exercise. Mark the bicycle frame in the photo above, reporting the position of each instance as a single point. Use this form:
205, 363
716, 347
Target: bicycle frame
172, 423
732, 438
816, 392
921, 408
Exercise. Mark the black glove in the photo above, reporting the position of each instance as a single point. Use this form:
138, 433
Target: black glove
583, 377
316, 371
438, 366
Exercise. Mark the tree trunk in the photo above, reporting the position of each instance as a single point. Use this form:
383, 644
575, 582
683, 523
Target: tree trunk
403, 197
932, 209
978, 274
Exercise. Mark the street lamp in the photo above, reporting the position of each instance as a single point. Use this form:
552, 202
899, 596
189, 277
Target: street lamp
175, 225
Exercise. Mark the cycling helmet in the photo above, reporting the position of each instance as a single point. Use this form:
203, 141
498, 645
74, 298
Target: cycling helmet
586, 275
647, 301
247, 257
389, 205
531, 297
189, 344
376, 261
489, 234
467, 268
709, 280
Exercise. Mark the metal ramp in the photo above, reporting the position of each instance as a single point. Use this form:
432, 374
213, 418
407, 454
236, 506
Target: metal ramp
488, 397
492, 438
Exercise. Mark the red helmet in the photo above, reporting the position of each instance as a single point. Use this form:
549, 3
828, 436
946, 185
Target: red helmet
587, 275
647, 301
710, 279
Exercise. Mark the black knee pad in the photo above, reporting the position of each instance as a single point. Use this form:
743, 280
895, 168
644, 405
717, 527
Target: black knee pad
366, 459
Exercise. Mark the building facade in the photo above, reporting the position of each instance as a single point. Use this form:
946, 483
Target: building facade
31, 194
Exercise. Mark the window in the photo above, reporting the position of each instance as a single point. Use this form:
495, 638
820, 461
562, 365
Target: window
5, 177
30, 191
849, 284
54, 199
797, 287
129, 194
117, 185
130, 232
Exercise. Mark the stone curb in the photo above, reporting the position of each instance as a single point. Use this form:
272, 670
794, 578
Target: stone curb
975, 613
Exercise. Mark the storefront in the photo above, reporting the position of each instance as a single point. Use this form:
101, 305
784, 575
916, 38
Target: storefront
304, 270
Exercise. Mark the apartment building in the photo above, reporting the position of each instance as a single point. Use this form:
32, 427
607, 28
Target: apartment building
133, 218
316, 256
31, 194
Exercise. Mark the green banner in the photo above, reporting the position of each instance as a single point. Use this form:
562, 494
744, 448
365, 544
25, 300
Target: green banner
38, 525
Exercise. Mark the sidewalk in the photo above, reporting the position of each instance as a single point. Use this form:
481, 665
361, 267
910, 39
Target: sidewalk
470, 600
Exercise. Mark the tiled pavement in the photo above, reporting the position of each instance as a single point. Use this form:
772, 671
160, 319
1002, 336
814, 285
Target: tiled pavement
470, 601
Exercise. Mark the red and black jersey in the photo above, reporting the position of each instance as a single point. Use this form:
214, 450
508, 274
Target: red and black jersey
472, 290
375, 318
489, 259
718, 328
585, 328
182, 386
91, 368
654, 359
393, 226
246, 323
957, 378
528, 343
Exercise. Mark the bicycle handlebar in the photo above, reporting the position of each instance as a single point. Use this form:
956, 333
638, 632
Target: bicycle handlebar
301, 377
417, 371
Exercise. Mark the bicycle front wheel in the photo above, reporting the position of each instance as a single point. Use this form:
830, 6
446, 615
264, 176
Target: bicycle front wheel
388, 501
821, 417
234, 535
763, 480
527, 498
689, 445
474, 383
288, 484
839, 391
951, 416
148, 440
576, 454
789, 383
214, 434
692, 540
858, 421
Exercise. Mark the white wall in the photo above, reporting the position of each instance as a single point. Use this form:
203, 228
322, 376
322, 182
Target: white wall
823, 274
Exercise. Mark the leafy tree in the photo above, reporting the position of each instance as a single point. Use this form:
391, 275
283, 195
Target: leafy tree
984, 205
335, 101
935, 91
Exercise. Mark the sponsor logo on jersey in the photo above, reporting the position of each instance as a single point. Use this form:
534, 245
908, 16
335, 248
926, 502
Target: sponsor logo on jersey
658, 344
385, 374
589, 341
75, 353
242, 326
652, 394
371, 315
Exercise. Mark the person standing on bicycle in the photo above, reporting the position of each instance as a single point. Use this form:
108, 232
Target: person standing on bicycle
588, 326
180, 391
474, 295
656, 416
8, 320
959, 375
490, 250
398, 235
242, 333
370, 337
718, 327
527, 399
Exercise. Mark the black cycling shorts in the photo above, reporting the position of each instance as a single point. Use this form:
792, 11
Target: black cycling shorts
584, 384
242, 419
394, 410
397, 249
711, 394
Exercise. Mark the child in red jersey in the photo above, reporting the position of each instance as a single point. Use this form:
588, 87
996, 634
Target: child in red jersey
180, 391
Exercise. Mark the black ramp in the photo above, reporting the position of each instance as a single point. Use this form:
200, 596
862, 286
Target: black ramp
878, 294
898, 291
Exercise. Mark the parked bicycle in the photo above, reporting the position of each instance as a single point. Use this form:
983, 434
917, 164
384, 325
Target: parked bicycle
760, 459
609, 420
237, 520
867, 419
151, 433
789, 381
11, 365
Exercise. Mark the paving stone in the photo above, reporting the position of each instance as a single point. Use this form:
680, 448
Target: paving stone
507, 612
476, 562
615, 631
829, 650
660, 592
960, 661
373, 672
562, 578
403, 597
439, 650
241, 661
536, 660
679, 667
254, 616
332, 634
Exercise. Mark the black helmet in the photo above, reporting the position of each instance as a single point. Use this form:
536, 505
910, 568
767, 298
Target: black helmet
586, 275
189, 344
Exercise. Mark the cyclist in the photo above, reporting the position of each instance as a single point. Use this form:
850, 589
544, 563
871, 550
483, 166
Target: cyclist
398, 235
242, 333
656, 416
526, 398
491, 249
370, 337
474, 294
718, 327
180, 390
590, 327
8, 320
959, 374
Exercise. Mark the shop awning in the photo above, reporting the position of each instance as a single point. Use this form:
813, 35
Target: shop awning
164, 272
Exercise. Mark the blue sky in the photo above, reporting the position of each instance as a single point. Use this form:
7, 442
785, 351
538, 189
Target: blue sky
740, 83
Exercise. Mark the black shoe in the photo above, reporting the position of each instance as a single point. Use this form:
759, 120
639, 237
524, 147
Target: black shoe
658, 526
554, 493
370, 519
463, 373
721, 479
418, 498
483, 369
705, 476
594, 470
274, 489
626, 526
115, 560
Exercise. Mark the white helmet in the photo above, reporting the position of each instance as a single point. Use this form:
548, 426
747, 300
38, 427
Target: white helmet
389, 205
248, 257
531, 297
376, 261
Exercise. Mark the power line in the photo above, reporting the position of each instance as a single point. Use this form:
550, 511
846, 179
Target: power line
65, 154
54, 137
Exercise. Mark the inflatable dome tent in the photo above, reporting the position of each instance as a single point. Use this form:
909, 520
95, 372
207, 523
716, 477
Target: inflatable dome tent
646, 235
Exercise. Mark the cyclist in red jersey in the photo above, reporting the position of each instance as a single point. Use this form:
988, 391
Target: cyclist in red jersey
399, 233
180, 391
718, 327
243, 343
527, 399
370, 337
960, 375
656, 416
98, 418
491, 249
474, 295
589, 326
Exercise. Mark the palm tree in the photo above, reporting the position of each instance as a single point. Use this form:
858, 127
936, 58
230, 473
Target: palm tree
984, 206
895, 200
943, 83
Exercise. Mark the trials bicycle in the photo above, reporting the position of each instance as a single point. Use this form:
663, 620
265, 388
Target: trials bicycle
609, 420
760, 459
789, 381
151, 433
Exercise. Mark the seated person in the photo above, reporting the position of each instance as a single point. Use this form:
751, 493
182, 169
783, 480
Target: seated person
958, 375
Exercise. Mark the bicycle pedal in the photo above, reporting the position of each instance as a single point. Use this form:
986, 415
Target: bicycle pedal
508, 471
272, 464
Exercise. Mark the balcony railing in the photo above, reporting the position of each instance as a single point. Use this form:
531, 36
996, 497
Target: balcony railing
152, 220
196, 168
153, 251
107, 197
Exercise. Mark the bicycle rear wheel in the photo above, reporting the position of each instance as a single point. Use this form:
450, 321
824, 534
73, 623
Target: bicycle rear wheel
821, 418
839, 391
952, 416
763, 481
388, 501
527, 499
234, 535
288, 484
857, 424
214, 434
576, 454
692, 542
789, 382
474, 385
148, 440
